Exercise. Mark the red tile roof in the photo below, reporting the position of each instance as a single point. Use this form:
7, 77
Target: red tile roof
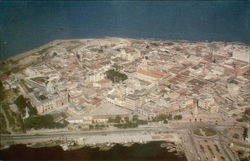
153, 73
95, 67
104, 81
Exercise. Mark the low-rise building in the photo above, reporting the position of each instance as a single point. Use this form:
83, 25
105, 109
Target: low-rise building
104, 83
50, 104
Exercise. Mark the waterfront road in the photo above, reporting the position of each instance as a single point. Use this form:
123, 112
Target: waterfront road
158, 129
146, 130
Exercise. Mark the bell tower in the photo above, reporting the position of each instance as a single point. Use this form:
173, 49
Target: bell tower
144, 64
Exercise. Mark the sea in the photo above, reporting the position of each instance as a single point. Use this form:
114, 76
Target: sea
27, 24
137, 152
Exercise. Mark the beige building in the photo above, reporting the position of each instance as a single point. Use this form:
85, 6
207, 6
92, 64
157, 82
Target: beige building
132, 101
235, 68
116, 100
242, 55
104, 83
67, 86
145, 74
129, 53
100, 119
95, 77
51, 103
208, 104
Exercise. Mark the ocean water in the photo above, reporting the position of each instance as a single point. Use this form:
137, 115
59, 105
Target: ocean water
25, 25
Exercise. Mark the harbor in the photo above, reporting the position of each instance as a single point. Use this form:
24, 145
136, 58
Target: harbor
149, 151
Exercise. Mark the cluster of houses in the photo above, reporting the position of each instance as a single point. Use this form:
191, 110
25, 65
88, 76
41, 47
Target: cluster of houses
162, 78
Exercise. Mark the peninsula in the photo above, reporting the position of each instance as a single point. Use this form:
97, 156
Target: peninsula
98, 92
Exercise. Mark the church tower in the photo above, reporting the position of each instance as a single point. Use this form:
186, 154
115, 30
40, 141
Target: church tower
144, 64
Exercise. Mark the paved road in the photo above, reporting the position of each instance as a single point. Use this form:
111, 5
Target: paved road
84, 133
226, 150
185, 129
163, 129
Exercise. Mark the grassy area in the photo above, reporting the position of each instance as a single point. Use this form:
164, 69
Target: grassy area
45, 121
2, 91
163, 117
178, 117
117, 119
42, 51
22, 103
97, 126
10, 66
126, 123
197, 132
7, 111
4, 68
207, 131
14, 119
43, 97
3, 127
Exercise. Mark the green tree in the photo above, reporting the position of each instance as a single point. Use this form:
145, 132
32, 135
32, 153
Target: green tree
91, 127
170, 117
44, 121
178, 117
1, 85
135, 118
21, 103
2, 91
161, 117
126, 119
3, 127
141, 122
236, 136
32, 110
110, 120
117, 119
116, 76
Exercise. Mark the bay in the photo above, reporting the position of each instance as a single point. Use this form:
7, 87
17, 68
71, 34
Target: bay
25, 25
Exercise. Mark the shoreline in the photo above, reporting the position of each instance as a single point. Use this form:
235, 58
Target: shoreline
56, 41
103, 147
149, 151
95, 138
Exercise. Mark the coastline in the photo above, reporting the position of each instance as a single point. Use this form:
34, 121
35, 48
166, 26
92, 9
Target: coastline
149, 151
30, 52
103, 139
57, 41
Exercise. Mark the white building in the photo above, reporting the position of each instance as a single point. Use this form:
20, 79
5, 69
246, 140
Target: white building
95, 77
242, 55
208, 104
